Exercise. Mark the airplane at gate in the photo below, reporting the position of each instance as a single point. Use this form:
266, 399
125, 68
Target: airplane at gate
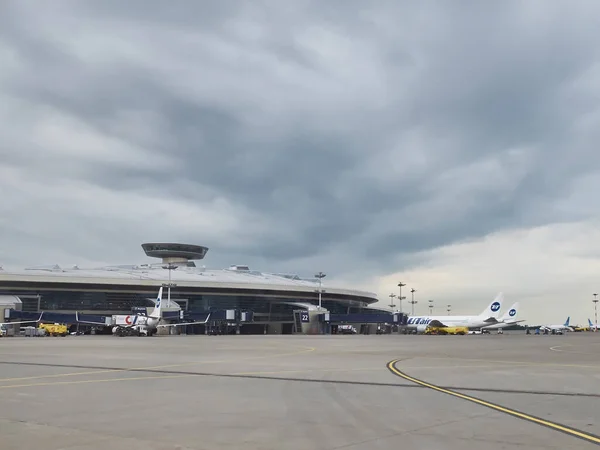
141, 324
488, 316
508, 319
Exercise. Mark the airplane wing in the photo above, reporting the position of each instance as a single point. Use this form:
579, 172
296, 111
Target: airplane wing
178, 324
184, 323
491, 320
23, 321
515, 321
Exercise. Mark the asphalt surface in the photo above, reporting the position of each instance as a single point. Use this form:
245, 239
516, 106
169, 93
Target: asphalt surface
300, 392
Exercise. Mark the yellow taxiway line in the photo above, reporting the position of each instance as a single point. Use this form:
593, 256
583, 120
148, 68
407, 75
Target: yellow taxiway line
558, 427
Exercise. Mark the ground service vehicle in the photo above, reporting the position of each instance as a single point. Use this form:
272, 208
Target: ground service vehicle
54, 329
346, 329
447, 330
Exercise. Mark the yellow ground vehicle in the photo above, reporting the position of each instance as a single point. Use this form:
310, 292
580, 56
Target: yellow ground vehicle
447, 330
54, 329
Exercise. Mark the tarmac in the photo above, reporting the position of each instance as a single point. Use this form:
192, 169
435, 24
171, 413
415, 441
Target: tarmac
511, 391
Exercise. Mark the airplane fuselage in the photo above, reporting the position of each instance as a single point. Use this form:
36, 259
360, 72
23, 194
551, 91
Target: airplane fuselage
556, 328
138, 323
421, 322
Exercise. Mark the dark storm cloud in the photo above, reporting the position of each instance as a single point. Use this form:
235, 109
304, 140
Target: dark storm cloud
342, 130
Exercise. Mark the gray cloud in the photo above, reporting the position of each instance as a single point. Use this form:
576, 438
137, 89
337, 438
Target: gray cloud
290, 136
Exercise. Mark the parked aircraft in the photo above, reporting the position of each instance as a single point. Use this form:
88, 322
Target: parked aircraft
141, 324
564, 327
508, 319
487, 317
593, 327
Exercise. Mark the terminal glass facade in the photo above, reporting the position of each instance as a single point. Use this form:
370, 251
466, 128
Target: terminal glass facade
265, 307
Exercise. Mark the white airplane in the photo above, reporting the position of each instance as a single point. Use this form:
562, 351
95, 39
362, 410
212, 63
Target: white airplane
593, 327
488, 316
508, 319
140, 324
564, 327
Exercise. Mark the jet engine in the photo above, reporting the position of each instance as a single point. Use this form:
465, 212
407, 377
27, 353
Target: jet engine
421, 328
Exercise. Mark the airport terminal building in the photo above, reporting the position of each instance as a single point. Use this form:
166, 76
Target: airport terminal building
271, 298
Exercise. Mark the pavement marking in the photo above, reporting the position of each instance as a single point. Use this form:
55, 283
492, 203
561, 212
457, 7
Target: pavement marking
60, 375
306, 370
175, 375
167, 366
558, 427
458, 366
557, 348
269, 375
189, 375
105, 380
518, 363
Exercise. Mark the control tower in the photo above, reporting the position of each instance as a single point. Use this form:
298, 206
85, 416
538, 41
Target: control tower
173, 253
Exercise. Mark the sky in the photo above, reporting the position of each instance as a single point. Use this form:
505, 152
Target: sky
450, 146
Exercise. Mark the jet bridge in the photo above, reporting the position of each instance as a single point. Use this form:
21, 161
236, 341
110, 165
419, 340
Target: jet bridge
320, 321
365, 322
57, 317
222, 321
396, 318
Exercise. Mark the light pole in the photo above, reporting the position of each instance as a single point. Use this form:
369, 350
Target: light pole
596, 310
400, 298
412, 301
449, 308
320, 276
430, 307
392, 301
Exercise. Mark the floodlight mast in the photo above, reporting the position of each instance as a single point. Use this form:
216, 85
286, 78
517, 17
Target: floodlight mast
400, 298
320, 276
596, 310
392, 305
413, 302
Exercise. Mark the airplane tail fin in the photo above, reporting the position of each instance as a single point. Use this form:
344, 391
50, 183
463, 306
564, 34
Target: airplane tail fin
567, 322
590, 323
157, 311
493, 309
511, 314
